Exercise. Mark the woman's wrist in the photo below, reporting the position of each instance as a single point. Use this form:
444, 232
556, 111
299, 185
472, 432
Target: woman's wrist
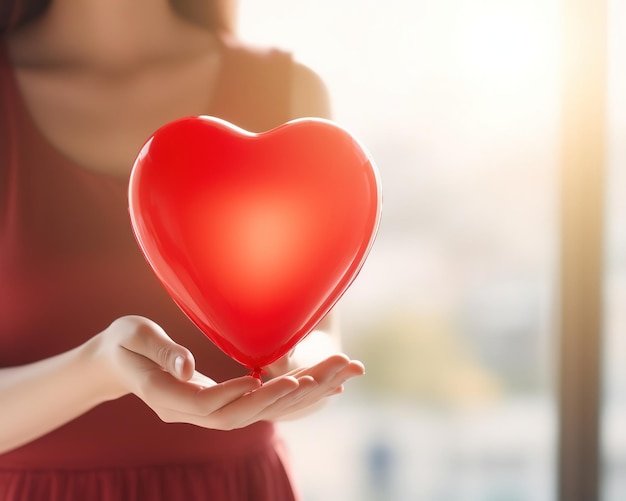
95, 359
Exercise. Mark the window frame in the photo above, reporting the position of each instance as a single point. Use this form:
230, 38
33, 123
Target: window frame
582, 196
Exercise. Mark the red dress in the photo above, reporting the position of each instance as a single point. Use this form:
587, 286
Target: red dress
69, 265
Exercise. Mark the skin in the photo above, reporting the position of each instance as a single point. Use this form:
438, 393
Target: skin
138, 65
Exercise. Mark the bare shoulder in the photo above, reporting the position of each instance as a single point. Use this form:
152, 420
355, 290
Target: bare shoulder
310, 96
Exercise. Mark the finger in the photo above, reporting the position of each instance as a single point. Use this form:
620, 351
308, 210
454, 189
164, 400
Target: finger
332, 386
213, 398
148, 339
353, 369
239, 412
307, 386
199, 396
324, 369
332, 381
234, 414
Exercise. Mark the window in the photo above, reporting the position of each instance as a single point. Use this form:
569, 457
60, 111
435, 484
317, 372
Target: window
470, 110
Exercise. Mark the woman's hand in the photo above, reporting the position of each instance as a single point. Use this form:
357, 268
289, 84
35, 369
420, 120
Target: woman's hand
134, 355
329, 375
317, 356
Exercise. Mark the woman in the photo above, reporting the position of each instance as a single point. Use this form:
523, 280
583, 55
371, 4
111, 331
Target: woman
96, 398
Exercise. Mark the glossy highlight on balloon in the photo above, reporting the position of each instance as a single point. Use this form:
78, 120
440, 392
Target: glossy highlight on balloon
254, 236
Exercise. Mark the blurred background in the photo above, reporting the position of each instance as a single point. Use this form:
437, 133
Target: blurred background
455, 313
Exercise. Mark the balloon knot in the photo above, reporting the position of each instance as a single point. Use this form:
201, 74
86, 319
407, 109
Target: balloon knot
258, 372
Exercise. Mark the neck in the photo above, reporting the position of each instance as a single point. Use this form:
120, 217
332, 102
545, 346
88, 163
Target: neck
109, 33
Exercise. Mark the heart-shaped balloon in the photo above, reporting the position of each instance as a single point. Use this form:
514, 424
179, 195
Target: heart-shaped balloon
254, 236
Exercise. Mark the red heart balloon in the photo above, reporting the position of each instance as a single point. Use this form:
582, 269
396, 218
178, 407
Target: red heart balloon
255, 236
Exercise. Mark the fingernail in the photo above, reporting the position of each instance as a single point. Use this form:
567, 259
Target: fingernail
178, 366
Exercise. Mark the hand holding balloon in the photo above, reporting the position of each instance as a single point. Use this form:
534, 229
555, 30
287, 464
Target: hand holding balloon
317, 356
255, 236
134, 355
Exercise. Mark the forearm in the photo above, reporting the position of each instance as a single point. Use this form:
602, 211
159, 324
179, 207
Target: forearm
39, 397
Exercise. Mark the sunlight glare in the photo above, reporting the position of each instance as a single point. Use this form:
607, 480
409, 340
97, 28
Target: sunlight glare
504, 50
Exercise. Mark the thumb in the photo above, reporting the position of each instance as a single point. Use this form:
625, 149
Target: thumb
148, 339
